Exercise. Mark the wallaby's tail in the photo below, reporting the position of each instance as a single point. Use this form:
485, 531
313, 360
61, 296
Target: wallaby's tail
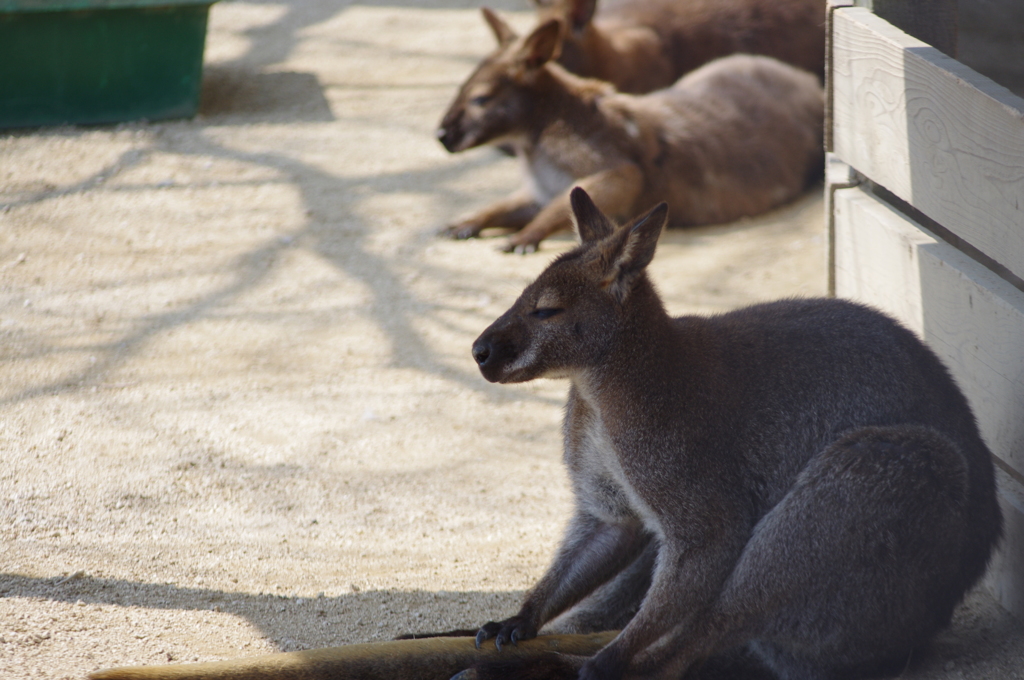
428, 659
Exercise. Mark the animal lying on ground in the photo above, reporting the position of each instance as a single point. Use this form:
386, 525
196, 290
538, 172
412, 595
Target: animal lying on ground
645, 45
810, 477
433, 659
734, 138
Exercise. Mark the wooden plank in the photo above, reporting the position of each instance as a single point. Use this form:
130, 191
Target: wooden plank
876, 256
830, 6
945, 139
838, 175
973, 320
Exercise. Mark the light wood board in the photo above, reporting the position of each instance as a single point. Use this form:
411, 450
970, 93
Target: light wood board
938, 135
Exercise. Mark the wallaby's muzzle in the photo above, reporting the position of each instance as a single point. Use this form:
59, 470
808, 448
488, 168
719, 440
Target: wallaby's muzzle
492, 355
449, 137
497, 351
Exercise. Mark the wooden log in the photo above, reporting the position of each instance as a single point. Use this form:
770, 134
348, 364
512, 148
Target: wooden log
425, 659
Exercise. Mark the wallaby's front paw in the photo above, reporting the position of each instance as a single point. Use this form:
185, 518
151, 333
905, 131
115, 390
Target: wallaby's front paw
510, 630
519, 248
461, 231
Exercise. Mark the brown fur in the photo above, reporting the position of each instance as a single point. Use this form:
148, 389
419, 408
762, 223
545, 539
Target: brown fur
734, 138
431, 659
808, 473
645, 45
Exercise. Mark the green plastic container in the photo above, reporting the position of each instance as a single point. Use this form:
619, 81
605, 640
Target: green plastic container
100, 61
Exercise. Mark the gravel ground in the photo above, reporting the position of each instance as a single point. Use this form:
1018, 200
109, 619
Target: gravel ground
238, 413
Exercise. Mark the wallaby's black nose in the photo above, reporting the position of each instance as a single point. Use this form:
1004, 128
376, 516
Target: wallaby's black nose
481, 352
448, 136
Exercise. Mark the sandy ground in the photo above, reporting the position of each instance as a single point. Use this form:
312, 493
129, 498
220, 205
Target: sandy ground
238, 412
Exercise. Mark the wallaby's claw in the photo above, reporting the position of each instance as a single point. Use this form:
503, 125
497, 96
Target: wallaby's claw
519, 248
460, 232
510, 630
486, 632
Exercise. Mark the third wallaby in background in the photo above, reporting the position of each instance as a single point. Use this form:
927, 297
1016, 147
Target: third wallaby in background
734, 138
645, 45
801, 480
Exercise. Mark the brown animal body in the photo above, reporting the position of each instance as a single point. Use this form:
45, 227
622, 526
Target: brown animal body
645, 45
810, 478
734, 138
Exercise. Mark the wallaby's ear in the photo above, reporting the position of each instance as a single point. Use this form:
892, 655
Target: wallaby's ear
502, 31
542, 45
628, 252
587, 219
581, 12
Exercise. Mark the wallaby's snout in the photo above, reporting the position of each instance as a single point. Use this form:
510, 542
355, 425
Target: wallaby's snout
467, 123
481, 351
495, 350
449, 133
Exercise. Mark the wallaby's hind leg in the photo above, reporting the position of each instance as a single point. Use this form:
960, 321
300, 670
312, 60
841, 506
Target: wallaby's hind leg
861, 562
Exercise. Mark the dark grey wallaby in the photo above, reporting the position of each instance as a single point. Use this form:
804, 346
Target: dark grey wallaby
801, 481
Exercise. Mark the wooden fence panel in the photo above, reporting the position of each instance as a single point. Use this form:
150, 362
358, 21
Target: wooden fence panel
936, 134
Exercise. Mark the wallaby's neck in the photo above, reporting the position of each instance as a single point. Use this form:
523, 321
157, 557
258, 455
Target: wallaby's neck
561, 97
644, 360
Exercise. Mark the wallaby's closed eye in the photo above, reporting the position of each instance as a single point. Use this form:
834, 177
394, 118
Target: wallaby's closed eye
810, 480
736, 137
645, 45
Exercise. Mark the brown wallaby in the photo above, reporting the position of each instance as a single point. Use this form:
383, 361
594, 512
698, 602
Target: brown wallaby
734, 138
645, 45
809, 475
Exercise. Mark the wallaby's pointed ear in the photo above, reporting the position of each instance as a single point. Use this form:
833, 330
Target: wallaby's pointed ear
631, 249
638, 250
542, 45
502, 31
581, 12
587, 219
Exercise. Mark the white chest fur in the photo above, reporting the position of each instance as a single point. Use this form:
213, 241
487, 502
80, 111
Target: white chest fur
545, 178
601, 482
